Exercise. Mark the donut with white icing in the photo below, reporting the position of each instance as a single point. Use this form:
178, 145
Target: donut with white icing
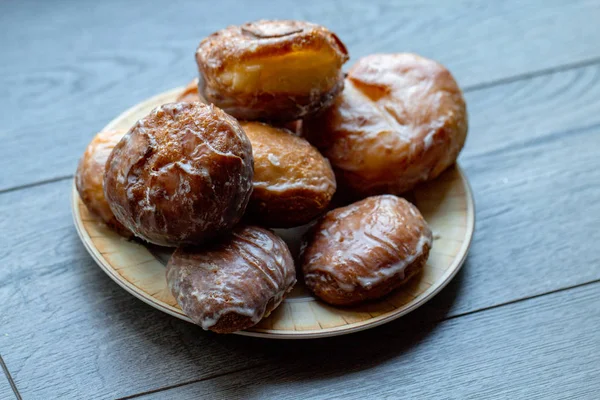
181, 175
400, 120
89, 179
365, 250
271, 70
234, 283
293, 183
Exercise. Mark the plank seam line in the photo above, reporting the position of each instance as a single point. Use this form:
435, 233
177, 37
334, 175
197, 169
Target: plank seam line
214, 376
536, 141
33, 184
508, 303
13, 386
472, 88
532, 74
432, 322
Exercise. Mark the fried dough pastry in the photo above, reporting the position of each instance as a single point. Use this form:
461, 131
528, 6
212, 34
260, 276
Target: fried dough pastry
365, 250
271, 70
293, 183
233, 284
181, 175
400, 120
89, 179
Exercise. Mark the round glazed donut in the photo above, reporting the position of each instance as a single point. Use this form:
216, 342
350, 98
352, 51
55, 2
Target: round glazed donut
232, 285
181, 175
89, 179
293, 183
365, 250
271, 70
400, 120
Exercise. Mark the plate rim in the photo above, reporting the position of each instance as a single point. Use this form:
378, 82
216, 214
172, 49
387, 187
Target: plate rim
427, 295
280, 334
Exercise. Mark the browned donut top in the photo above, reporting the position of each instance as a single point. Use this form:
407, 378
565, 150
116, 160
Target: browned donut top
180, 174
265, 38
292, 58
365, 243
239, 275
284, 162
398, 115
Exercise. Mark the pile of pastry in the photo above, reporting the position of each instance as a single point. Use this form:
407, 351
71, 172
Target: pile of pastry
265, 138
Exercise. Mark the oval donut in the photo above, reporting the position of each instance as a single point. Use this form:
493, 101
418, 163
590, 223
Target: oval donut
365, 250
232, 284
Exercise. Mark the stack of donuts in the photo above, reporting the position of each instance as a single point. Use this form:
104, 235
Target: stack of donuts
273, 134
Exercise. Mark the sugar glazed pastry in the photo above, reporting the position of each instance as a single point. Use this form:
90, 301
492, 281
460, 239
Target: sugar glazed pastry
89, 179
365, 250
232, 285
271, 70
400, 120
181, 175
293, 182
190, 93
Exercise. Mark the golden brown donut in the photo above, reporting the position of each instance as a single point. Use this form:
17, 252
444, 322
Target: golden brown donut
190, 93
271, 70
400, 120
181, 175
365, 250
89, 179
293, 183
231, 285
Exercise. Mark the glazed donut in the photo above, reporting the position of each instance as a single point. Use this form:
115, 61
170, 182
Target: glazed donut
365, 250
89, 179
232, 285
400, 120
271, 70
190, 95
293, 183
181, 175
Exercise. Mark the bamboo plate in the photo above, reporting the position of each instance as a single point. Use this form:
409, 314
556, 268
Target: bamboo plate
446, 204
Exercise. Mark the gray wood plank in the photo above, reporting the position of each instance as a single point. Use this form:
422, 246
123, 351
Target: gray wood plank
74, 333
6, 391
83, 65
69, 331
543, 348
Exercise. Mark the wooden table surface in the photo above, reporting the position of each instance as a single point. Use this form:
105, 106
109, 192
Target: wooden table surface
521, 320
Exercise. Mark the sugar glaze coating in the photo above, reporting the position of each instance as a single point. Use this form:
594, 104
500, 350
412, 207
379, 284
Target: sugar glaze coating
365, 250
271, 70
293, 183
233, 284
181, 175
400, 120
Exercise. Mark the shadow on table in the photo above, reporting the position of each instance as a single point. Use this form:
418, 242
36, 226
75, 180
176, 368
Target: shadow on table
181, 346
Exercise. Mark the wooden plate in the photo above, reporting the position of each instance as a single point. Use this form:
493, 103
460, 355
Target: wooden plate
446, 204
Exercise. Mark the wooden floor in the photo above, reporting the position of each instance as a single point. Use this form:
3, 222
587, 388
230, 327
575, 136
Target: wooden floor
521, 320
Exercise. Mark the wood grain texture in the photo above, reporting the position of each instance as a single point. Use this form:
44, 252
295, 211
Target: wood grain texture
6, 391
554, 355
68, 331
74, 76
60, 310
